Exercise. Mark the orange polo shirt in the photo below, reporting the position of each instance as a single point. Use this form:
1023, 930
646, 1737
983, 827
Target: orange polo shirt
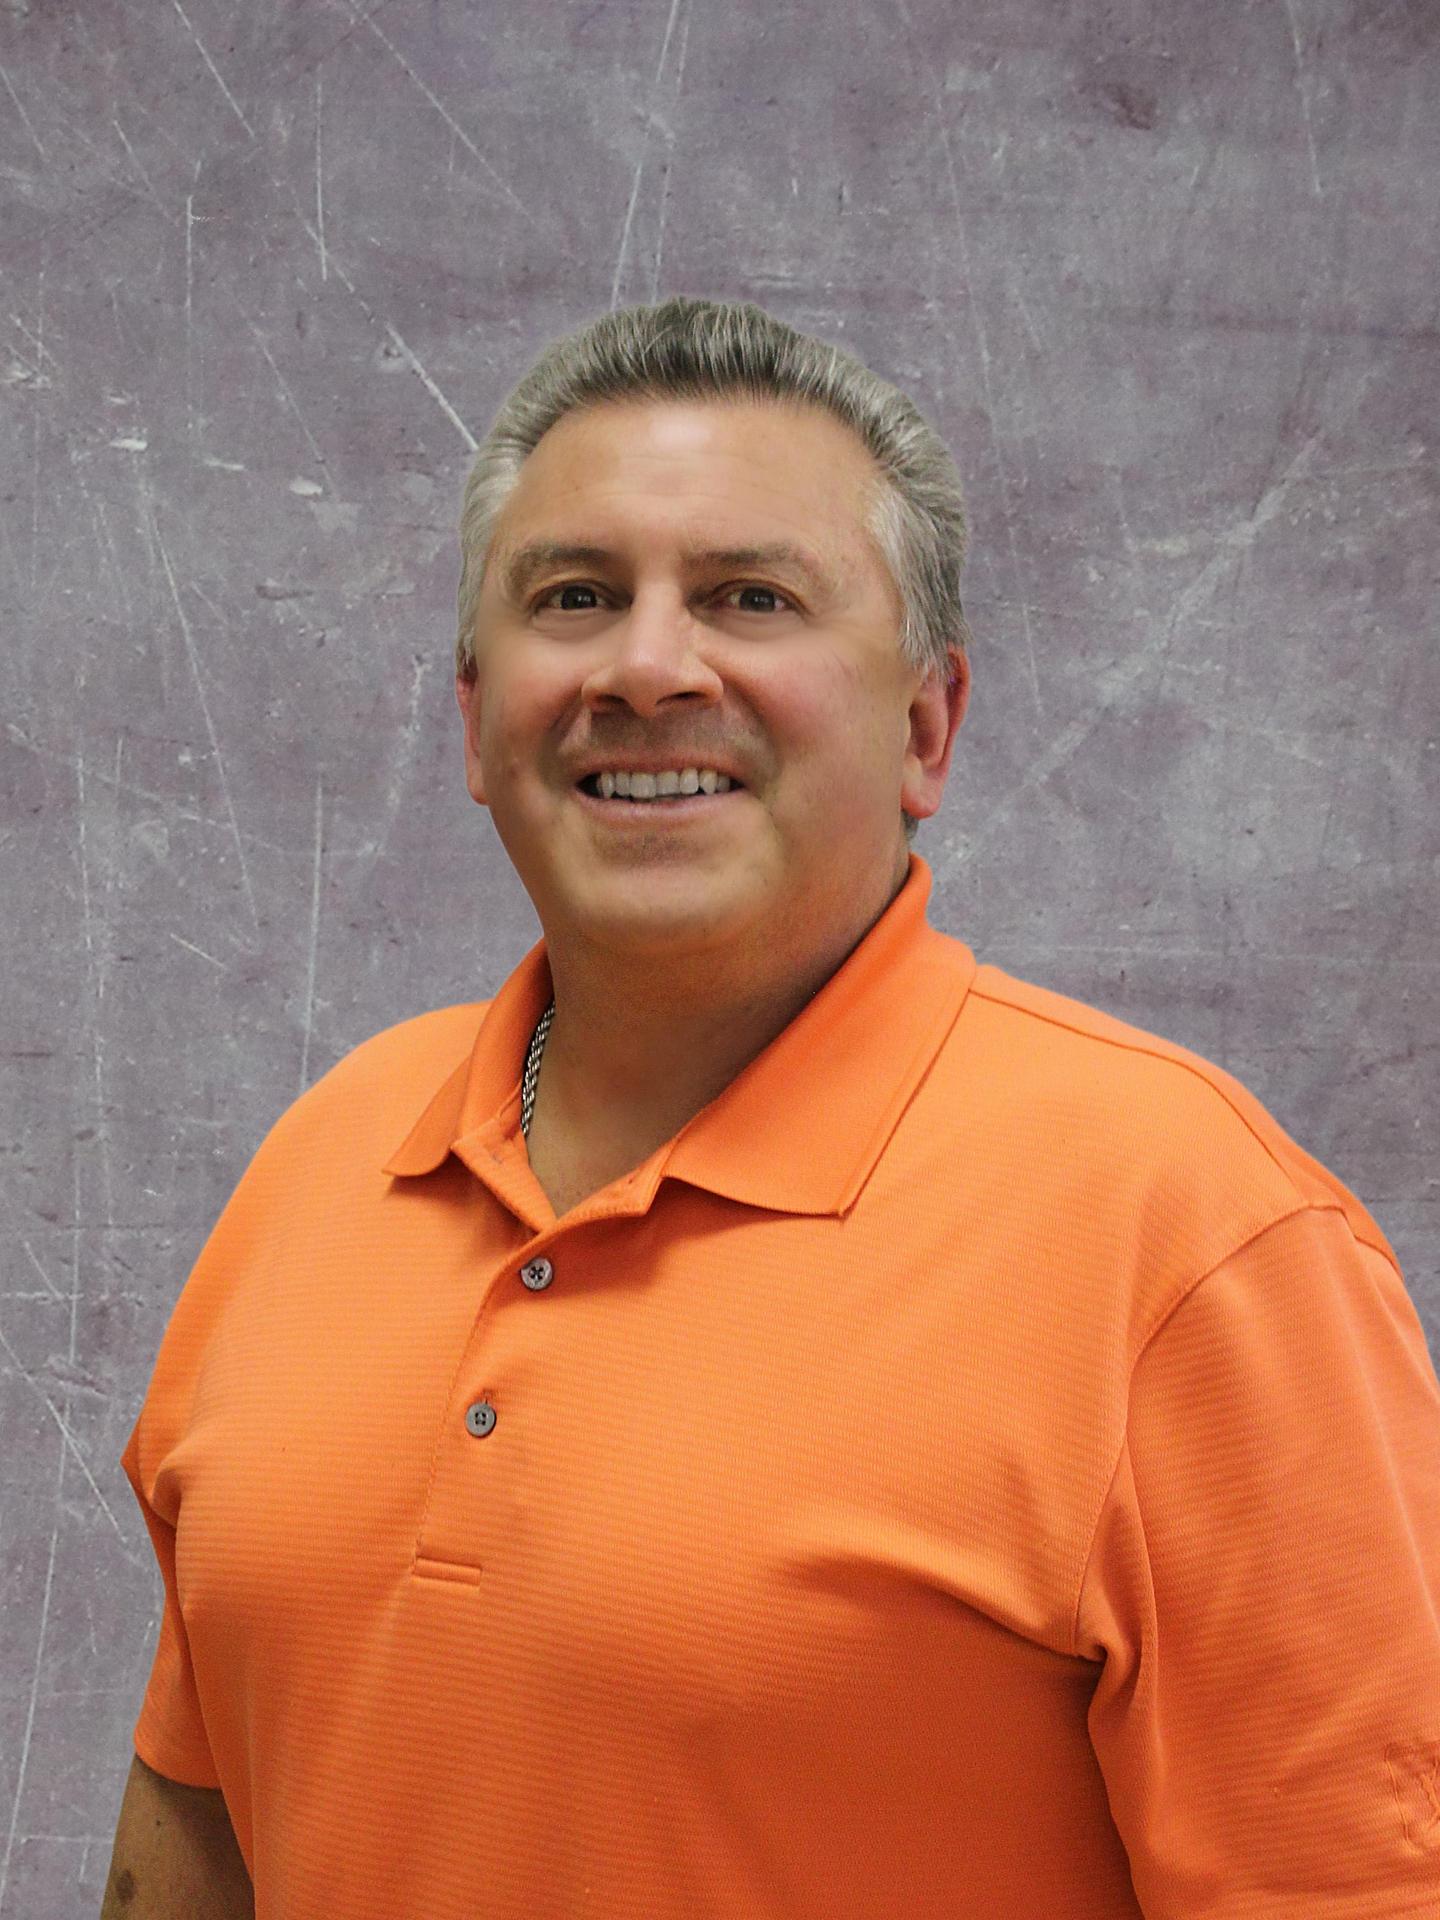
980, 1467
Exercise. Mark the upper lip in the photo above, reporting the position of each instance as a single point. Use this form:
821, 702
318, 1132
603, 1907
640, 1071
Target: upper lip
651, 763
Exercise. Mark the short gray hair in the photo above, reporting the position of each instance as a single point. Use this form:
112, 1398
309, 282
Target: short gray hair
686, 349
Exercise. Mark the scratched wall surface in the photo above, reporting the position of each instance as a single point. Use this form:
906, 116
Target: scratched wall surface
1163, 275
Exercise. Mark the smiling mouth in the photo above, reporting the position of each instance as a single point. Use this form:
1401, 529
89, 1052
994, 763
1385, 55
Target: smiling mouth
671, 810
590, 786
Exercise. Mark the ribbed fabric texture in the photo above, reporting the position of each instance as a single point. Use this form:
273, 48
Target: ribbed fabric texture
980, 1469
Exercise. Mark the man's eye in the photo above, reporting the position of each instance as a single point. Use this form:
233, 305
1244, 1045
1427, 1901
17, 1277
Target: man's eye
766, 593
570, 586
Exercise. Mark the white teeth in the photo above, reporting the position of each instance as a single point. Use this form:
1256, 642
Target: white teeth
652, 786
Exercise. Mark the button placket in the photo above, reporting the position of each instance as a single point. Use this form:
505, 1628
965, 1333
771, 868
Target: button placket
480, 1415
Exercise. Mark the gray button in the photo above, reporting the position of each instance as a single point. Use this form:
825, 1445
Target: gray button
480, 1417
537, 1274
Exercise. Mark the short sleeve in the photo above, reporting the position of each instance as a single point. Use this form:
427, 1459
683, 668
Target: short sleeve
170, 1733
1263, 1591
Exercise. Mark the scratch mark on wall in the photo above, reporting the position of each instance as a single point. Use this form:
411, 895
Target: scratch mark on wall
120, 333
24, 116
1137, 565
79, 1217
189, 314
62, 1693
398, 341
444, 113
314, 926
319, 188
42, 352
145, 522
402, 760
1302, 84
149, 184
285, 394
97, 508
35, 439
219, 77
431, 388
189, 637
644, 150
1026, 316
669, 154
200, 950
68, 1440
20, 373
95, 966
35, 1262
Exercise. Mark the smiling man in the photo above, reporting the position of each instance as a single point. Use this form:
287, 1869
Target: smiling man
768, 1417
679, 590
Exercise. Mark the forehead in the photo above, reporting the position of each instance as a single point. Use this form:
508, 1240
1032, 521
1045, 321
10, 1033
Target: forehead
739, 471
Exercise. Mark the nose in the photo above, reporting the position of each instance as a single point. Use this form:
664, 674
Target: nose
653, 651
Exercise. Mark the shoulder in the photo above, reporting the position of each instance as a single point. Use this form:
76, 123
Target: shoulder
360, 1109
1137, 1121
407, 1054
320, 1159
1058, 1059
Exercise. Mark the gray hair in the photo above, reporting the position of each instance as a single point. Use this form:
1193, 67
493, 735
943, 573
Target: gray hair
685, 349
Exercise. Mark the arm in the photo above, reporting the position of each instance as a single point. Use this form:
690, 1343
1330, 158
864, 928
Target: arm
176, 1856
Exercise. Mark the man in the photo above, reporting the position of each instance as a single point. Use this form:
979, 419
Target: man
767, 1416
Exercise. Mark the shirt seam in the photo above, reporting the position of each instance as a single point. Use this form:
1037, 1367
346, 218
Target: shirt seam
1153, 1053
1185, 1294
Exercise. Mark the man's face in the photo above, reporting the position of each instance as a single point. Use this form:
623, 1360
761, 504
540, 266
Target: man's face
786, 670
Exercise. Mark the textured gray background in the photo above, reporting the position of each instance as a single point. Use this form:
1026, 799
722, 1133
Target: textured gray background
1164, 276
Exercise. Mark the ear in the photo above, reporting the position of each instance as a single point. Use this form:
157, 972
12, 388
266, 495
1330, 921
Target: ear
468, 699
937, 711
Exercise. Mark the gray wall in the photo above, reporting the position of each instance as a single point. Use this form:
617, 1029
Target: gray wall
1163, 274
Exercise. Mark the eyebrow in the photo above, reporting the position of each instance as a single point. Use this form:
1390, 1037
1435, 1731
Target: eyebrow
529, 562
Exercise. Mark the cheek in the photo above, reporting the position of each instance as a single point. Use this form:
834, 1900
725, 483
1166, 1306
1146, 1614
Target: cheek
812, 710
839, 725
515, 726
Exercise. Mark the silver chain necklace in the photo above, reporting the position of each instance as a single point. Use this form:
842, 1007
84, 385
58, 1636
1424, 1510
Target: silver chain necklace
532, 1067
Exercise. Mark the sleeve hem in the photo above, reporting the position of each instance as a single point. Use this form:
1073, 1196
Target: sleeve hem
184, 1769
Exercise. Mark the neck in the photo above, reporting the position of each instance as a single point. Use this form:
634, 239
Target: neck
637, 1048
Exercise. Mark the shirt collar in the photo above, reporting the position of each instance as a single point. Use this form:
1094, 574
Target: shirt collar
799, 1129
